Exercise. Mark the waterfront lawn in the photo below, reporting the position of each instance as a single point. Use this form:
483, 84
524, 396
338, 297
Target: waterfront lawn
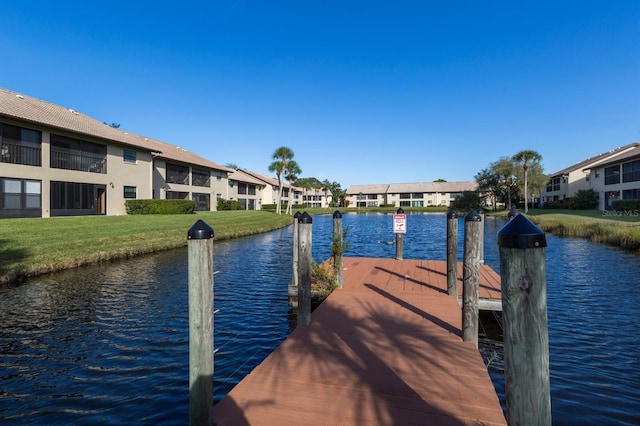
622, 230
30, 247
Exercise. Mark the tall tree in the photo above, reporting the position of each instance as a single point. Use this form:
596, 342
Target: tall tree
526, 158
489, 185
504, 169
279, 166
292, 170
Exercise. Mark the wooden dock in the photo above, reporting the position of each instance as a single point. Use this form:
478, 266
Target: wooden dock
384, 350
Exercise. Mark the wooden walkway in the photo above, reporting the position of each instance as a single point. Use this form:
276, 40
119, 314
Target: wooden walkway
384, 350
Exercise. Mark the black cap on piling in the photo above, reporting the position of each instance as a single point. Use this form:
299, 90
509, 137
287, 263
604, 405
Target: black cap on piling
400, 211
200, 231
297, 215
305, 218
473, 216
452, 214
337, 214
521, 233
512, 213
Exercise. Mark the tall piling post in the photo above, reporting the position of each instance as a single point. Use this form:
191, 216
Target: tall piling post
399, 231
294, 280
481, 234
524, 313
200, 270
337, 247
471, 277
452, 253
304, 268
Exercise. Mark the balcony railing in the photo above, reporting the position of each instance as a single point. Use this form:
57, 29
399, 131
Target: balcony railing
18, 154
84, 162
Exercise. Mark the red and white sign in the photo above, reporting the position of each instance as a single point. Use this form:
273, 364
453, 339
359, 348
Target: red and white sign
399, 223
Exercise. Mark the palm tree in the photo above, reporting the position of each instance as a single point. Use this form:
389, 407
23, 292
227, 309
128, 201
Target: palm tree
291, 173
527, 157
281, 155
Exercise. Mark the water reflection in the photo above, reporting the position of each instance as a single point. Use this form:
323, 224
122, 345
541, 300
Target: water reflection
109, 344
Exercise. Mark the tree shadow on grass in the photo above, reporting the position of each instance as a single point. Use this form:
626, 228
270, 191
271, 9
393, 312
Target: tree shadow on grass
10, 258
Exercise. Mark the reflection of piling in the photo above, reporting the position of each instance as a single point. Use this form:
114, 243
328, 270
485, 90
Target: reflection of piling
304, 269
524, 312
399, 240
452, 253
200, 247
337, 247
471, 277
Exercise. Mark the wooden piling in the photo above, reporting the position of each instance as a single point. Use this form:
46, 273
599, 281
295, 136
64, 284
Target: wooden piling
304, 269
294, 280
526, 336
399, 239
471, 277
452, 253
200, 270
337, 247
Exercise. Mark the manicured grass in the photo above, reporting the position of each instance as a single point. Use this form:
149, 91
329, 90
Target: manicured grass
621, 230
30, 247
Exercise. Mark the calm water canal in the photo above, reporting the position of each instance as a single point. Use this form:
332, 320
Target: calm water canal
109, 344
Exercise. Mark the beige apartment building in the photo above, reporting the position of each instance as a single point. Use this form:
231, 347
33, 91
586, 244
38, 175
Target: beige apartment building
423, 194
55, 161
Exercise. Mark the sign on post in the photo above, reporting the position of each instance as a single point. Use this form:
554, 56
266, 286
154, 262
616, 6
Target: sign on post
400, 223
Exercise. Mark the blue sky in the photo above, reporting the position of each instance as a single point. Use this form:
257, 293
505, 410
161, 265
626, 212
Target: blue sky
363, 92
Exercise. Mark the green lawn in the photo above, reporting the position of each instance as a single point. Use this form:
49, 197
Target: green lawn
33, 246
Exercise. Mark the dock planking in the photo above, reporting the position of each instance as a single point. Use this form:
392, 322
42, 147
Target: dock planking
384, 350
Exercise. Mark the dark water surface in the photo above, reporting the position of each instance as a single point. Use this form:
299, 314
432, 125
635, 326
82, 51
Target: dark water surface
109, 344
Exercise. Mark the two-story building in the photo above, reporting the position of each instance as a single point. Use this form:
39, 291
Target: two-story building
616, 177
421, 194
565, 183
56, 161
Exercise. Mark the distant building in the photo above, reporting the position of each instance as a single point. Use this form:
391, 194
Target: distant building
565, 183
424, 194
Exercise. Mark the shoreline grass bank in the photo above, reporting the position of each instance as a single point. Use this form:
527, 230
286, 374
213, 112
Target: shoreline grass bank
31, 247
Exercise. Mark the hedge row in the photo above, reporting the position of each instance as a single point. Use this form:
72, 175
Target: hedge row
160, 206
626, 205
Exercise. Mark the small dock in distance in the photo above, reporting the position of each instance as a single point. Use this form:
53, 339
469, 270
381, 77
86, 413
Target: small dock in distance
384, 350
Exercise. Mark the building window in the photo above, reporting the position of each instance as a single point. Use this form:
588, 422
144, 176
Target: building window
200, 177
74, 154
129, 156
130, 192
177, 174
202, 202
242, 188
554, 184
631, 172
20, 198
612, 175
218, 176
631, 194
417, 204
176, 195
405, 203
70, 198
405, 196
418, 195
251, 189
20, 146
372, 197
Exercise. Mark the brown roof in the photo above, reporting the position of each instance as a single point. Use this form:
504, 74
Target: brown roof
397, 188
618, 156
587, 163
24, 108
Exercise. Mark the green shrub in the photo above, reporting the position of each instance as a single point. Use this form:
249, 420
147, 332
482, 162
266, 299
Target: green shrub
228, 204
160, 206
585, 199
626, 205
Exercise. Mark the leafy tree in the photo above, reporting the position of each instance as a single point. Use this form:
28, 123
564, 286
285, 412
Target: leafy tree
292, 171
489, 185
279, 166
527, 158
233, 166
467, 200
504, 169
440, 180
